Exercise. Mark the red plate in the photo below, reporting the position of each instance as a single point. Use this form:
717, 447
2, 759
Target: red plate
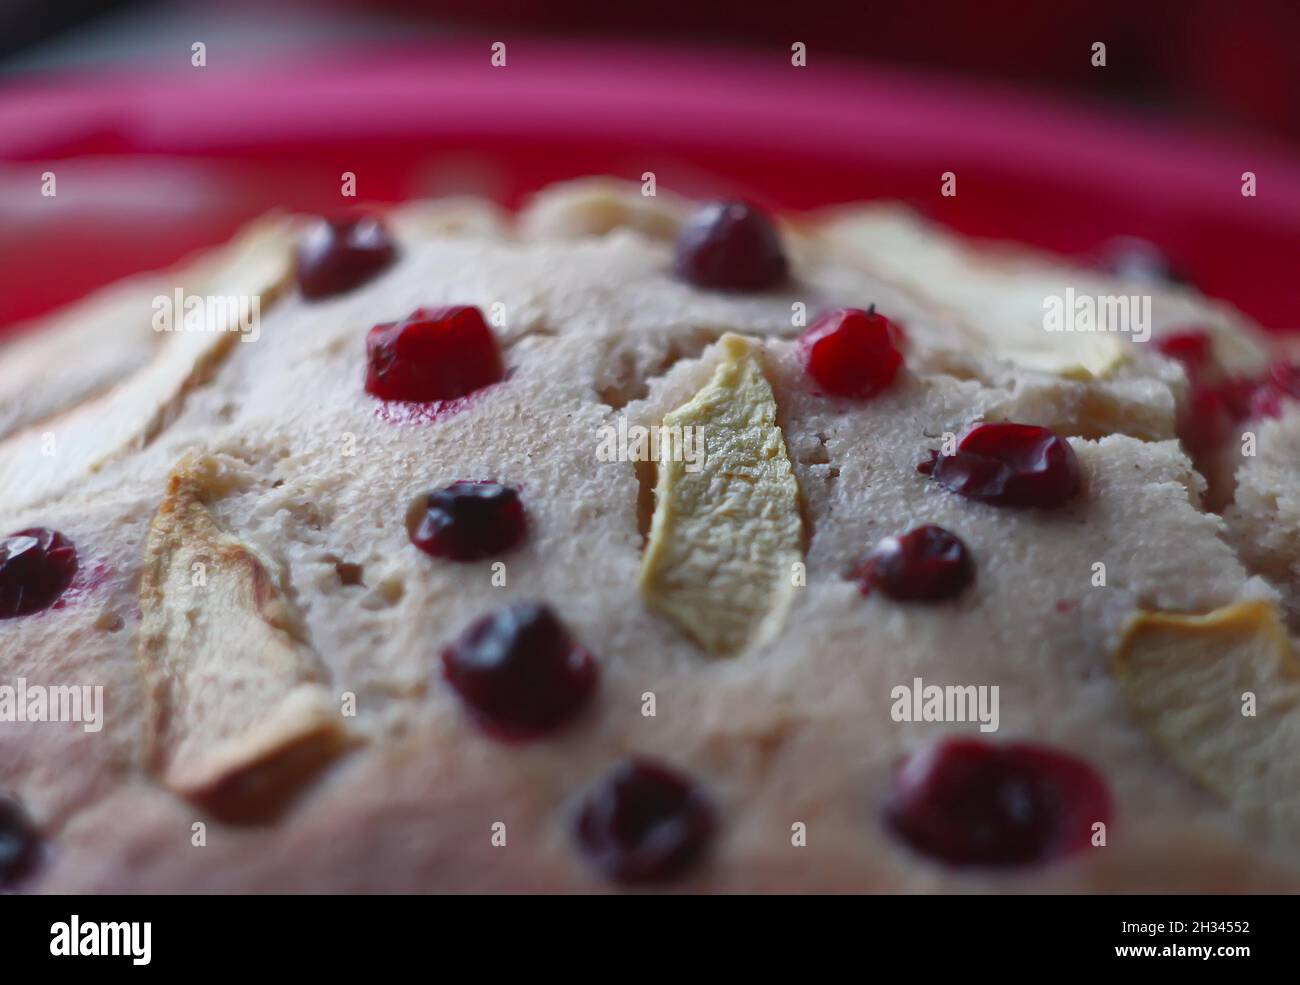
150, 167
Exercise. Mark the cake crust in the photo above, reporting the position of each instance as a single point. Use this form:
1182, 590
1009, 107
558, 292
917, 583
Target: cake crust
306, 660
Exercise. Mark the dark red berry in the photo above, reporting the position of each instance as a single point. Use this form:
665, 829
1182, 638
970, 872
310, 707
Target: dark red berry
340, 253
923, 565
468, 521
851, 352
968, 802
432, 354
730, 246
1010, 465
520, 671
36, 567
644, 822
20, 842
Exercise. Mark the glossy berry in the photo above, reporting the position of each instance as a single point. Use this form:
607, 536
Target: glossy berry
730, 246
36, 567
1010, 465
20, 842
644, 822
967, 802
923, 565
468, 521
851, 352
520, 671
432, 354
341, 253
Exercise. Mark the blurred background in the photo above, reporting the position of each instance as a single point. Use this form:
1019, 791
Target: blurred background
167, 125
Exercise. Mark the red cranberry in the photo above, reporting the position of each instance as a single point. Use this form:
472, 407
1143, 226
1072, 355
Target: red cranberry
432, 354
19, 841
1192, 347
970, 802
1010, 465
520, 671
1219, 404
36, 567
1212, 409
1217, 410
468, 521
851, 352
925, 565
644, 822
338, 254
730, 246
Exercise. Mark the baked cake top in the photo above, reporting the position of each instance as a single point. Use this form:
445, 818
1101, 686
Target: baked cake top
628, 541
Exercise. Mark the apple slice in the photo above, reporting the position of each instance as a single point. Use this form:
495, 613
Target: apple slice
1221, 693
725, 532
238, 711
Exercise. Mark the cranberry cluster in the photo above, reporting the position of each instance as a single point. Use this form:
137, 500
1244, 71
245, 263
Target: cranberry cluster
1220, 402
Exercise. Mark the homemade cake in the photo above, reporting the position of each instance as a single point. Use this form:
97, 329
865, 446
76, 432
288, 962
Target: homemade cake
639, 542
